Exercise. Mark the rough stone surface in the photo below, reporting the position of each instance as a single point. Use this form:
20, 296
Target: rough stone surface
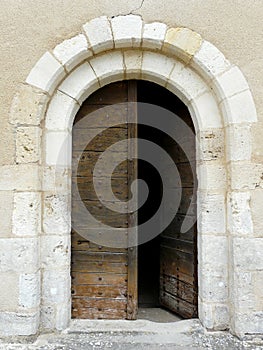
46, 73
27, 214
127, 31
139, 335
28, 106
28, 140
80, 84
182, 42
100, 40
73, 51
154, 35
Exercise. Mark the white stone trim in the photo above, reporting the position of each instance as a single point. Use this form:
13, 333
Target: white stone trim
218, 98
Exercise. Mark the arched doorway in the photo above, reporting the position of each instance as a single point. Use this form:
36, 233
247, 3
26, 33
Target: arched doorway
110, 282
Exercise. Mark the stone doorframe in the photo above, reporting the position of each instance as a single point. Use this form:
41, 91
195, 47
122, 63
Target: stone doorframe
43, 110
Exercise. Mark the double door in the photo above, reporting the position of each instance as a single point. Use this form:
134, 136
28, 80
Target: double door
105, 268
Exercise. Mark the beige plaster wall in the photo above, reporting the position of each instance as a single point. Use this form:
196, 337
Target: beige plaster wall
30, 27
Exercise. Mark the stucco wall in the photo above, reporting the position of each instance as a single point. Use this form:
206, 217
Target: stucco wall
30, 27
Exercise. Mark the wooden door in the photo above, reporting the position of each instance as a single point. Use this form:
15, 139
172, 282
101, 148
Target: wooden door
178, 251
104, 279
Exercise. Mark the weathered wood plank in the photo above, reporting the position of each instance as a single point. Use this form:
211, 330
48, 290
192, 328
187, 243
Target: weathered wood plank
101, 116
99, 255
83, 188
100, 303
99, 278
99, 266
173, 303
179, 288
98, 291
98, 140
98, 314
84, 166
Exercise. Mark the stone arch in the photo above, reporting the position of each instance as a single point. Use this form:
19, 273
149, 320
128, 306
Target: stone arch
222, 108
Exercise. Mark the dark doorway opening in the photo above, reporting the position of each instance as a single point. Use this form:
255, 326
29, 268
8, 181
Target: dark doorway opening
172, 287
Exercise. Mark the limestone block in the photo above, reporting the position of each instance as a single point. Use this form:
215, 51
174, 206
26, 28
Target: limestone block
230, 83
28, 106
6, 210
211, 145
12, 323
248, 323
100, 40
109, 67
247, 253
61, 112
243, 296
256, 204
28, 144
56, 179
239, 108
221, 317
9, 290
27, 214
153, 35
46, 74
29, 290
133, 64
127, 31
209, 61
185, 83
258, 290
213, 288
19, 255
206, 112
239, 142
58, 148
21, 177
211, 177
73, 51
56, 286
55, 251
48, 317
81, 83
211, 213
246, 175
63, 315
205, 313
156, 67
56, 214
239, 214
182, 42
213, 257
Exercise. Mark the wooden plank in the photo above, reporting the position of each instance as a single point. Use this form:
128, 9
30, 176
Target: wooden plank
83, 187
98, 291
80, 243
99, 212
84, 166
178, 244
109, 257
99, 278
99, 266
174, 286
101, 116
98, 314
110, 94
174, 261
98, 140
182, 307
132, 297
174, 229
100, 303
